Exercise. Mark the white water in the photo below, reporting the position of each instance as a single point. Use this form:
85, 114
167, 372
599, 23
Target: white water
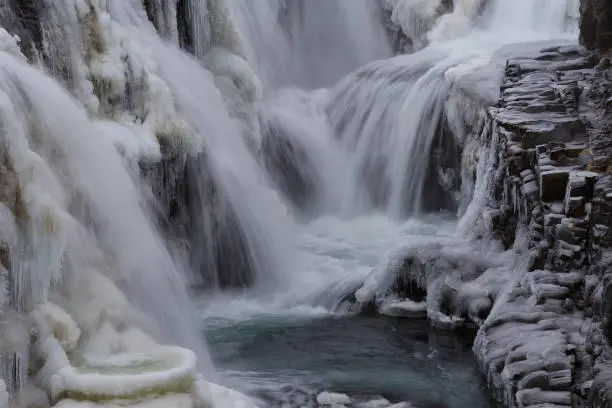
367, 142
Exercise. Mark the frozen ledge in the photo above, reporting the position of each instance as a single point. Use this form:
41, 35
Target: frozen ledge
127, 376
204, 395
166, 378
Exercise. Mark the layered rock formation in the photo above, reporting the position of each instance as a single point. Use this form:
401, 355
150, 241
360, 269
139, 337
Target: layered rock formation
538, 345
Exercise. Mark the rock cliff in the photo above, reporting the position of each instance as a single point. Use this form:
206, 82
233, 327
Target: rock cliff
596, 24
545, 342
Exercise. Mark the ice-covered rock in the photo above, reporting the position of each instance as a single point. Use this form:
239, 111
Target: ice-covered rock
404, 308
4, 395
63, 327
451, 282
127, 375
167, 401
14, 332
31, 396
333, 399
375, 403
539, 341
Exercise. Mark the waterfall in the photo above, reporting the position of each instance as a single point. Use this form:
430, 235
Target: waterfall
86, 225
306, 44
386, 141
270, 154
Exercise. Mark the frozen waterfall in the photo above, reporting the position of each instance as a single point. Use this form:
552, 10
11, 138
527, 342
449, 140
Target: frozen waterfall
169, 162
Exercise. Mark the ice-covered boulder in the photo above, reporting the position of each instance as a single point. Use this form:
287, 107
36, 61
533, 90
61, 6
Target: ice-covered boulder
63, 327
333, 399
450, 282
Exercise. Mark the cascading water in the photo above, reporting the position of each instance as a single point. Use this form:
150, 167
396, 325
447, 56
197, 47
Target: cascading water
373, 168
306, 44
227, 154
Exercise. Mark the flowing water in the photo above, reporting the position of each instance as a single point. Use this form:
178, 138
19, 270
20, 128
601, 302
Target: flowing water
309, 165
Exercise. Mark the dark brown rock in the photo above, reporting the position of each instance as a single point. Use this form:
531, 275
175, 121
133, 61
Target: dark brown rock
596, 25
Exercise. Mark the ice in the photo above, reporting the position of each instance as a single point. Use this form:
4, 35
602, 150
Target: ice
414, 18
10, 44
168, 370
450, 279
404, 308
457, 23
117, 78
14, 332
63, 327
240, 87
4, 395
333, 399
32, 397
170, 401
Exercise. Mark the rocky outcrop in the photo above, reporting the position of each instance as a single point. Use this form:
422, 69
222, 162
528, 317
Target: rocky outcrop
596, 25
542, 341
